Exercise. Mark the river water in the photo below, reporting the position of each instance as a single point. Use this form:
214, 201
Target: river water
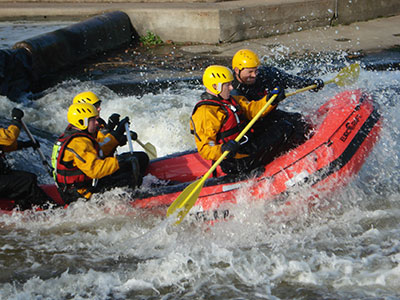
349, 248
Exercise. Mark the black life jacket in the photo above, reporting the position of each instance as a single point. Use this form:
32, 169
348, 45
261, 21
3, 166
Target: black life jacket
4, 167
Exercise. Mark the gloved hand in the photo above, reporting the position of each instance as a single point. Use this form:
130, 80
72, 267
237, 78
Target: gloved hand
27, 144
124, 157
231, 146
133, 135
101, 122
118, 133
124, 139
16, 116
113, 121
129, 165
320, 84
280, 95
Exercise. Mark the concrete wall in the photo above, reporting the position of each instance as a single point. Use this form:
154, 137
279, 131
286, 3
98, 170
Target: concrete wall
206, 22
240, 20
178, 25
116, 1
362, 10
273, 18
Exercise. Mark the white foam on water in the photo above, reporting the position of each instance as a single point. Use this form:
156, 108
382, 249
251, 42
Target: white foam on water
346, 247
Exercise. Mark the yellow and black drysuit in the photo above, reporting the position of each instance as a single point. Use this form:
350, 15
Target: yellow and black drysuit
267, 79
20, 186
215, 121
79, 165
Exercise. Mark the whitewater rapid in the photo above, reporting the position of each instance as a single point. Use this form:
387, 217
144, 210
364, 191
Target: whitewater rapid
103, 249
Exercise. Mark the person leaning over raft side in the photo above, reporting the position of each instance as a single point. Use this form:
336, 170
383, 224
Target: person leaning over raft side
218, 118
80, 169
254, 81
112, 134
21, 186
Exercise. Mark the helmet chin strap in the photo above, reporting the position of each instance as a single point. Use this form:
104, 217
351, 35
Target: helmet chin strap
238, 75
219, 87
86, 122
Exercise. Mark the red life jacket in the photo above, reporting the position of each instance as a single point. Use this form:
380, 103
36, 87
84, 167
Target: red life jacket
66, 174
234, 122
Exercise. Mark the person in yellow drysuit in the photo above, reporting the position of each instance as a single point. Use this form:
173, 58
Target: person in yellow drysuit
218, 118
112, 134
80, 169
108, 142
20, 186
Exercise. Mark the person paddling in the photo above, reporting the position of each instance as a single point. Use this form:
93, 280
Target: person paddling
253, 81
112, 134
20, 186
218, 118
108, 142
81, 169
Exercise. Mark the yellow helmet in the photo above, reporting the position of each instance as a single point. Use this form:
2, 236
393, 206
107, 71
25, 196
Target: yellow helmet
216, 75
86, 97
80, 113
245, 58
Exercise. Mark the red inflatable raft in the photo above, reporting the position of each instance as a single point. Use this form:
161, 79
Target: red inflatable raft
349, 127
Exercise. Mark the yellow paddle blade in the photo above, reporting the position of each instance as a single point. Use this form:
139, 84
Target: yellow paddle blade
186, 200
149, 148
348, 75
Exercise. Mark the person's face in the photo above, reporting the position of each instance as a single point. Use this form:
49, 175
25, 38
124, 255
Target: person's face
93, 125
226, 89
247, 75
97, 105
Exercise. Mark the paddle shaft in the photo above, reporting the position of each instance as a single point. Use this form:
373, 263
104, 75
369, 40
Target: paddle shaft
307, 88
44, 161
134, 166
346, 75
239, 137
128, 136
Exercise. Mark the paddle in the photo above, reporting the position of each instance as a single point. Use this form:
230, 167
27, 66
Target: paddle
149, 148
189, 195
129, 138
346, 76
44, 161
